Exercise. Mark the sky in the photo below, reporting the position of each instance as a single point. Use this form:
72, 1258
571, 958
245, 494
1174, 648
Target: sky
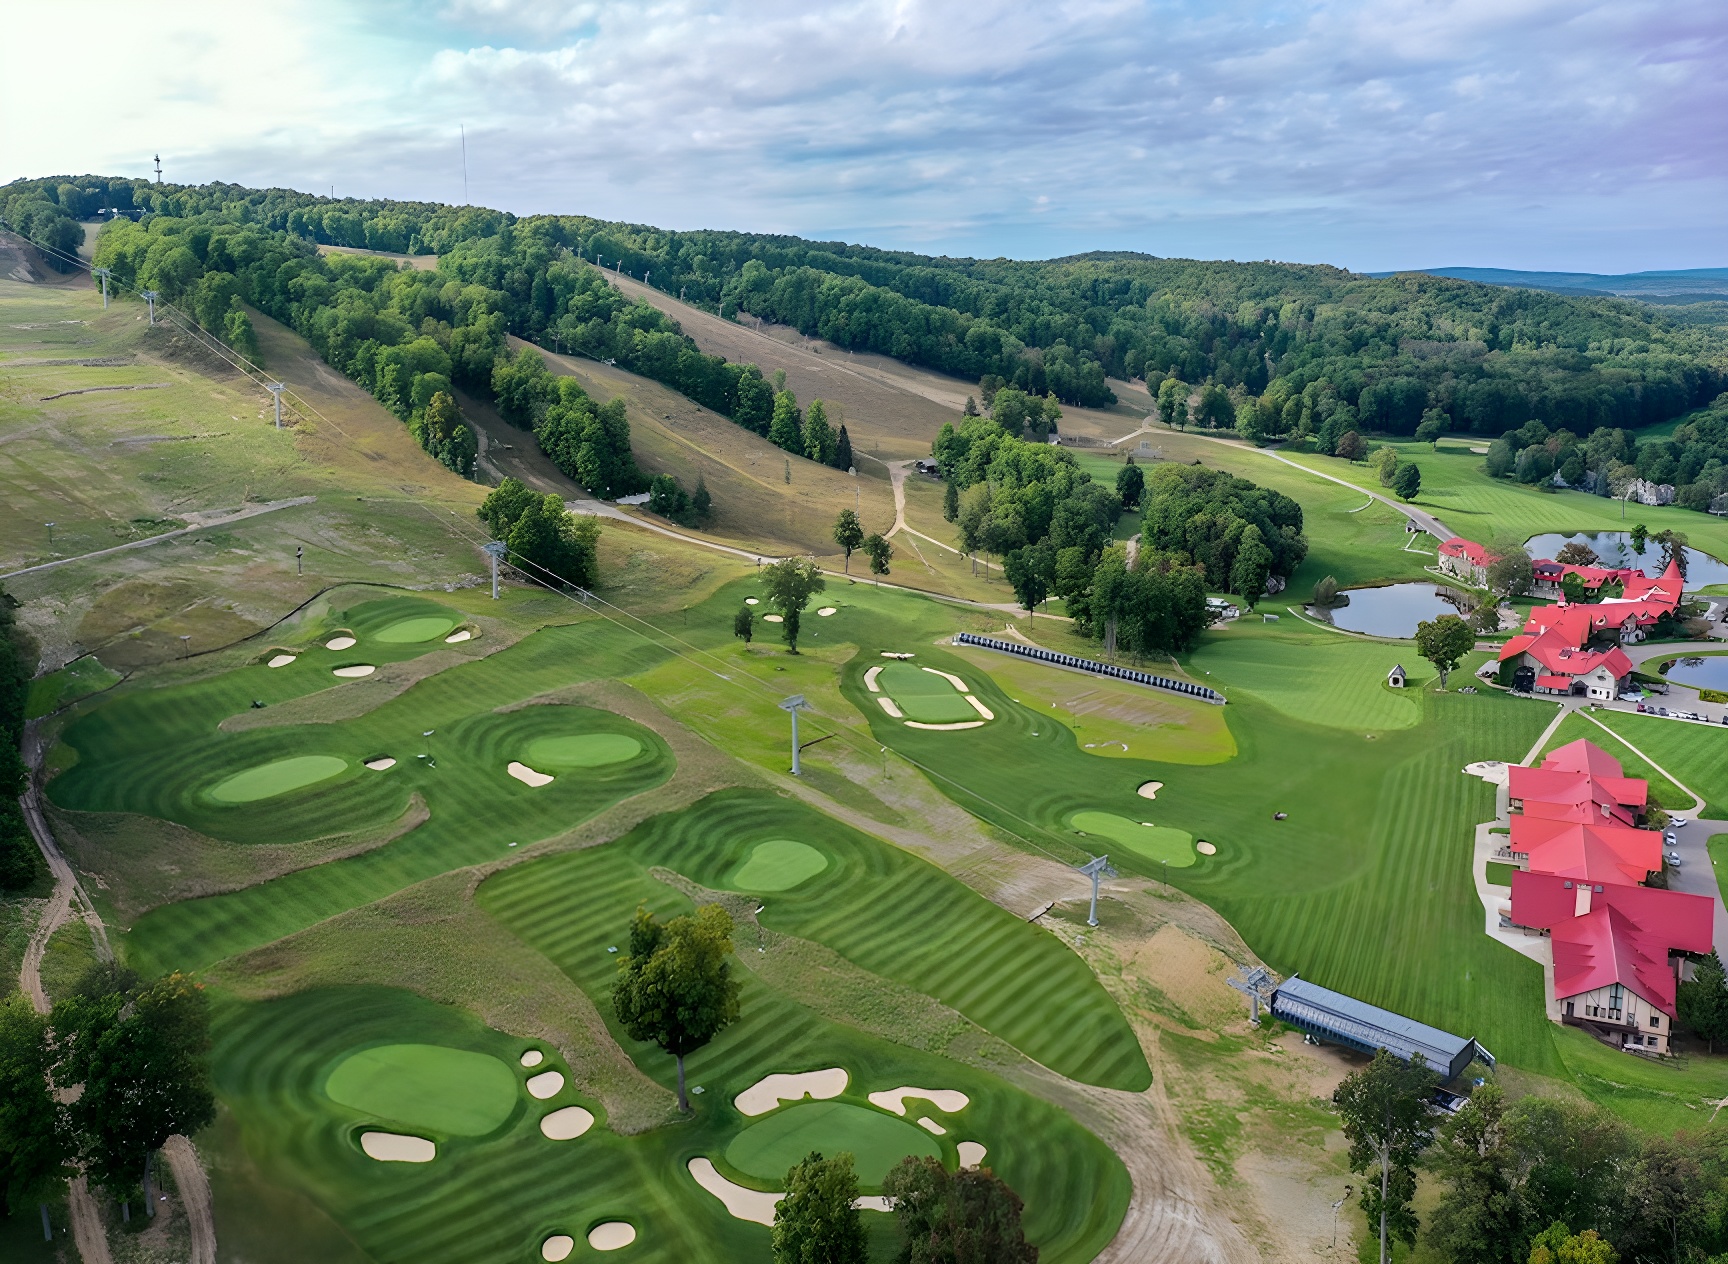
1371, 134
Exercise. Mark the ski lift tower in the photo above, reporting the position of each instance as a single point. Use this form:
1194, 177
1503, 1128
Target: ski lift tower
1257, 985
1096, 868
104, 274
794, 705
494, 551
276, 389
150, 297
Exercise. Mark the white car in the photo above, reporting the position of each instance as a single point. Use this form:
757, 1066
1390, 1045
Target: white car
1673, 860
1677, 822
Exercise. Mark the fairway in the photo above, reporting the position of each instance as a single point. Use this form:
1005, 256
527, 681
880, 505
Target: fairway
411, 631
280, 777
426, 1086
778, 865
876, 1141
582, 750
1319, 677
1156, 843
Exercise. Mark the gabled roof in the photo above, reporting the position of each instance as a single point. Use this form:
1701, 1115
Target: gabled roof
1588, 853
1665, 587
1583, 756
1469, 550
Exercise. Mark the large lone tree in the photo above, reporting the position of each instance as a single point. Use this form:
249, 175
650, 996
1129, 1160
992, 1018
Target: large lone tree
675, 988
964, 1217
1384, 1111
1444, 642
816, 1222
790, 584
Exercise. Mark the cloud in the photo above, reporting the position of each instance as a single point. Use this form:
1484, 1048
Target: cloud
1367, 132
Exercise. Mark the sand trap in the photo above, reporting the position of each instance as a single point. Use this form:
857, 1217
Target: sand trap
557, 1247
931, 1126
566, 1124
612, 1235
943, 728
980, 708
769, 1091
891, 654
873, 1202
1205, 848
887, 704
532, 1058
340, 643
281, 660
527, 776
825, 611
1150, 789
772, 618
870, 679
950, 678
744, 1204
946, 1100
545, 1085
354, 672
971, 1153
381, 765
393, 1147
749, 601
456, 638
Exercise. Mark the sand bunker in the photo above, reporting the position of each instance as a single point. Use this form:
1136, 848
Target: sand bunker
971, 1153
281, 660
612, 1235
384, 764
566, 1124
946, 1100
980, 708
873, 1202
825, 611
532, 1058
393, 1147
749, 601
744, 1204
891, 654
456, 638
930, 1126
546, 1084
354, 672
340, 643
951, 678
887, 704
772, 618
1205, 848
870, 679
769, 1091
1149, 789
557, 1247
527, 776
943, 728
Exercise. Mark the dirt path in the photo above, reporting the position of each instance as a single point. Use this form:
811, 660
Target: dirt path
897, 476
201, 522
88, 1231
194, 1187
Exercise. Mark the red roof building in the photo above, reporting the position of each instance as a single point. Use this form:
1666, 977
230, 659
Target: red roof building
1552, 657
1578, 783
1550, 574
1466, 559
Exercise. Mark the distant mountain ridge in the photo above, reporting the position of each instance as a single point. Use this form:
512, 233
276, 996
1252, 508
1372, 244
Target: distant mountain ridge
1696, 284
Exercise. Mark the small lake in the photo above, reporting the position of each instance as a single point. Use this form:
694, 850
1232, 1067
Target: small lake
1391, 610
1709, 671
1615, 549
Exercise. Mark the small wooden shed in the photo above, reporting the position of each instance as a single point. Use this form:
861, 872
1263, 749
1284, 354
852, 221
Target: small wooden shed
1395, 677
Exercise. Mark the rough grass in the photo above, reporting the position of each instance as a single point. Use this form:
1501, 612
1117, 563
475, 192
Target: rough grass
78, 679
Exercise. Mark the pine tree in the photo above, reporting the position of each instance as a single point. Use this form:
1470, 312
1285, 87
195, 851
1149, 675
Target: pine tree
951, 501
819, 442
843, 450
1704, 1001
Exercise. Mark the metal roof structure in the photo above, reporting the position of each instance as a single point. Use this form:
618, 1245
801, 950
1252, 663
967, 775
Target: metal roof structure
1347, 1021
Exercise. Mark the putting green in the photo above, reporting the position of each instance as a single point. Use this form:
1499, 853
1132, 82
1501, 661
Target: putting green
924, 696
278, 778
583, 750
877, 1141
778, 865
1154, 842
427, 1086
408, 631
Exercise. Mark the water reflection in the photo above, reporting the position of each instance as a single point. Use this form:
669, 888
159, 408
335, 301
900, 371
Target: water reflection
1700, 671
1614, 548
1390, 610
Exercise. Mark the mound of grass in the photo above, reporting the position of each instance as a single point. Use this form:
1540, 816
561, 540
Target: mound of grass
778, 865
444, 1090
1156, 843
268, 780
582, 750
875, 1139
924, 696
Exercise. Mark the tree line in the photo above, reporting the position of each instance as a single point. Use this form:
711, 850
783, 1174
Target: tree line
20, 861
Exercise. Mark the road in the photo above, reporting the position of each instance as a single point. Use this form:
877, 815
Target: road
200, 522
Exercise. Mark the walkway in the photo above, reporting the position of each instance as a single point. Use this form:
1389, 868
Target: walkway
199, 521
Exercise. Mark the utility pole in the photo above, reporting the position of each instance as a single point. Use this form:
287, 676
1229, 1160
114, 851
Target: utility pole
50, 527
158, 168
1097, 867
150, 297
494, 549
793, 705
299, 559
276, 389
103, 274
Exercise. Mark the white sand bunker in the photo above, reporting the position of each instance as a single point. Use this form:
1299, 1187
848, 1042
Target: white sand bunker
825, 611
533, 1058
545, 1085
281, 660
888, 705
772, 618
744, 1204
1149, 789
891, 654
557, 1247
393, 1147
354, 672
870, 678
980, 708
527, 776
382, 764
769, 1091
566, 1124
946, 1100
1205, 848
930, 1126
971, 1153
456, 638
340, 643
612, 1235
951, 678
749, 601
943, 728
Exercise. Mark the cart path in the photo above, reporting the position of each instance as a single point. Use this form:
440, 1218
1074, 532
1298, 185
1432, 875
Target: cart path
194, 1188
88, 1232
200, 522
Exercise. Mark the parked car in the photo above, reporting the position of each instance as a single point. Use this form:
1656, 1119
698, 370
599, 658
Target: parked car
1670, 839
1678, 822
1673, 860
1632, 695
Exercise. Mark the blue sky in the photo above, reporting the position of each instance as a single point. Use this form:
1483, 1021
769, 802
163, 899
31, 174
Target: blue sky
1371, 134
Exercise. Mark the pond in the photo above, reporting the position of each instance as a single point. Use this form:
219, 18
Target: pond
1614, 548
1390, 610
1700, 671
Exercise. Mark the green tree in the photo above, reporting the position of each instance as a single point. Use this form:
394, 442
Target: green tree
1350, 446
1130, 483
1558, 1245
675, 986
744, 624
820, 443
668, 499
950, 501
1573, 589
880, 552
503, 505
445, 436
551, 542
1535, 465
843, 458
1432, 428
1511, 574
1213, 409
964, 1217
1444, 642
1384, 462
1326, 593
1576, 553
848, 534
1173, 402
786, 426
1501, 458
790, 584
34, 1140
237, 330
1407, 482
1640, 536
816, 1223
1384, 1112
1668, 1202
1703, 1002
1252, 567
1031, 571
1479, 1216
701, 500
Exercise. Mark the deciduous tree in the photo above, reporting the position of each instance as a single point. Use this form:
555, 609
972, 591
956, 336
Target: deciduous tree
675, 986
1407, 482
1384, 1111
790, 584
1130, 483
880, 550
1703, 1002
1444, 642
816, 1222
744, 624
1511, 574
848, 534
965, 1217
34, 1138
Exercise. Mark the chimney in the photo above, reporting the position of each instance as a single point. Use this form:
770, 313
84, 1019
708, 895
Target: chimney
1581, 900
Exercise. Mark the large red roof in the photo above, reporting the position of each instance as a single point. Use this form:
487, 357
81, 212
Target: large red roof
1471, 551
1588, 853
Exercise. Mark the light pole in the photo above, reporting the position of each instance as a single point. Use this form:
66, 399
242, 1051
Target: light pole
299, 559
50, 527
1097, 867
793, 705
276, 389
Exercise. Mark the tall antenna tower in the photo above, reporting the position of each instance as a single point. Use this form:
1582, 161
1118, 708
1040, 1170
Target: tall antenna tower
158, 168
463, 127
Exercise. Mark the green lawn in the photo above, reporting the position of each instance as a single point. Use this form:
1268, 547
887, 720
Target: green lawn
430, 1087
1500, 874
78, 679
1317, 676
875, 1139
1695, 753
1576, 726
924, 696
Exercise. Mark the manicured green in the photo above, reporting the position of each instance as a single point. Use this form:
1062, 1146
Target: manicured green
875, 1139
268, 780
583, 750
924, 696
413, 631
778, 865
427, 1086
1156, 843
